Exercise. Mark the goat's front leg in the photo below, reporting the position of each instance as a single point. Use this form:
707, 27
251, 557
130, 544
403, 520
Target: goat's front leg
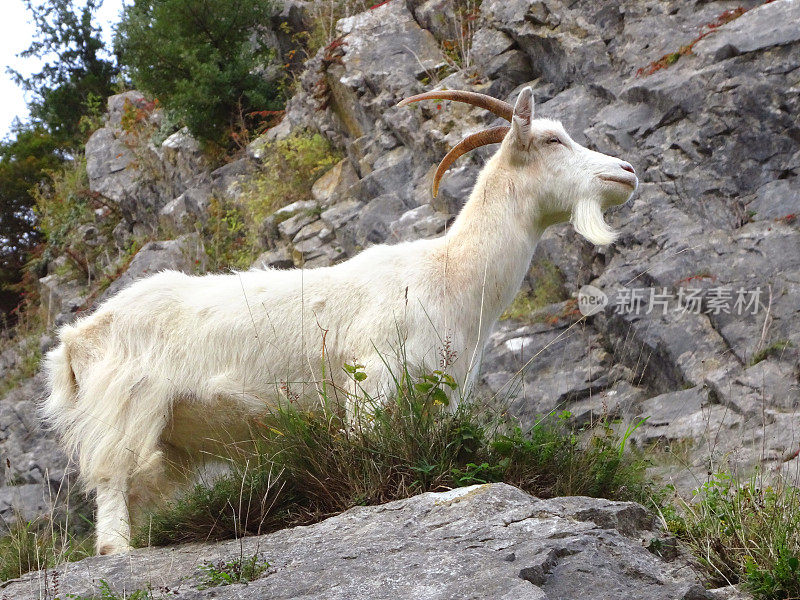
113, 518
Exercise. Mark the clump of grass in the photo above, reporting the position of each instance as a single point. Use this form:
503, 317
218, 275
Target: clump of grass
744, 532
107, 593
290, 168
25, 368
311, 465
548, 288
776, 348
31, 546
249, 501
238, 570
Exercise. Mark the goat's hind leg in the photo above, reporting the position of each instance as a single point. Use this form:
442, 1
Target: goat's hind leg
121, 459
123, 502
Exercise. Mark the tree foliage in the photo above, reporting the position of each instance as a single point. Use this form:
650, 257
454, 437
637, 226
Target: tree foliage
74, 79
203, 59
76, 74
24, 164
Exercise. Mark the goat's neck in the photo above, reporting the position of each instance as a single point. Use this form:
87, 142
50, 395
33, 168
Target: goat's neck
490, 245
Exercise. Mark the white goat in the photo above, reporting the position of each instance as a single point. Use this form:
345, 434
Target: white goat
175, 366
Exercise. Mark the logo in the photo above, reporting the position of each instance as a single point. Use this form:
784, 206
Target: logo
591, 300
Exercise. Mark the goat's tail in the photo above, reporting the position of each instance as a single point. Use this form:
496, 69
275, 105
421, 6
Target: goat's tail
63, 387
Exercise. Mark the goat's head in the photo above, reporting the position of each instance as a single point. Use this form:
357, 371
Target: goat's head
568, 181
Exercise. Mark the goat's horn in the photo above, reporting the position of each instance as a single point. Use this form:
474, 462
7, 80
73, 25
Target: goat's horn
498, 107
493, 135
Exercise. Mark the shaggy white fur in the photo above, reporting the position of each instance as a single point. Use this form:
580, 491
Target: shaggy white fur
175, 367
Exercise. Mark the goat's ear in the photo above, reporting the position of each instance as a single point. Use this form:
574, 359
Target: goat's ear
523, 115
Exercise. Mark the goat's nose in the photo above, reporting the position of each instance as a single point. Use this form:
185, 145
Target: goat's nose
626, 166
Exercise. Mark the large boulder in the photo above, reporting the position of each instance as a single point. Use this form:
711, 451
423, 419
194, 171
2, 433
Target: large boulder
490, 541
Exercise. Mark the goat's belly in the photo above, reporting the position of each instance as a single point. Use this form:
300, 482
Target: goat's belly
218, 426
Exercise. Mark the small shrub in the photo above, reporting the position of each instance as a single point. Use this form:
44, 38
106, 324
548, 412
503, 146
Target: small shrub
744, 532
65, 207
233, 242
290, 168
205, 63
94, 114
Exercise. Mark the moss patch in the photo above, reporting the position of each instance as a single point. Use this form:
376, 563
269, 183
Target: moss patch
548, 288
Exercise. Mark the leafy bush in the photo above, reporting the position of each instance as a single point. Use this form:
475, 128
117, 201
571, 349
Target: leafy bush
204, 61
309, 465
744, 532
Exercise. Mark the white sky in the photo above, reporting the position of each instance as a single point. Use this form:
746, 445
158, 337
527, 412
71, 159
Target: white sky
16, 33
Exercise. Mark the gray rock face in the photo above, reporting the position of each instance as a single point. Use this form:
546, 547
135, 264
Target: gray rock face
491, 541
715, 215
758, 29
136, 175
35, 473
183, 254
61, 297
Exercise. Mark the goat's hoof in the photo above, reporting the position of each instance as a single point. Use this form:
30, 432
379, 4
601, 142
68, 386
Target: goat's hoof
107, 549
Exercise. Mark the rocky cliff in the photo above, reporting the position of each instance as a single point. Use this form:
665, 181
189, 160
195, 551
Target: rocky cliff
701, 330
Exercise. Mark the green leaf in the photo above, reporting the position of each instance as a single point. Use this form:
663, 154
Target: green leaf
423, 388
440, 397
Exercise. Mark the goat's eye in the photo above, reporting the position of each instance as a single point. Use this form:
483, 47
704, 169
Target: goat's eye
554, 140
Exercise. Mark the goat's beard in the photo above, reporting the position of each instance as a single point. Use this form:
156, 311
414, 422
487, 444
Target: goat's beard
587, 219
